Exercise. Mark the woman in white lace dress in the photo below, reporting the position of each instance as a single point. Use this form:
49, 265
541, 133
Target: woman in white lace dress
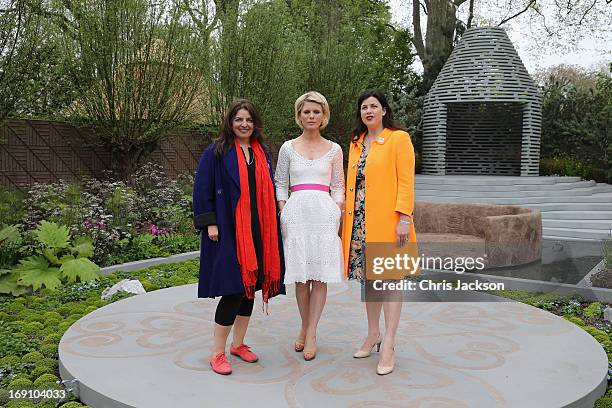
311, 168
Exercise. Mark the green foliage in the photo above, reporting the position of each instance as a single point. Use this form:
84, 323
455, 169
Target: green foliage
577, 117
137, 61
45, 379
19, 36
576, 320
20, 404
594, 310
32, 357
55, 261
10, 242
604, 402
286, 48
20, 383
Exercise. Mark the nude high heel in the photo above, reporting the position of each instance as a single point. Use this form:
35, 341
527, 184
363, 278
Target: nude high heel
382, 370
366, 353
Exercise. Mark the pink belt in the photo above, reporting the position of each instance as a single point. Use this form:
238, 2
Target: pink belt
309, 186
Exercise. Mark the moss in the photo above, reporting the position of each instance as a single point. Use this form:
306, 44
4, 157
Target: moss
24, 376
32, 357
33, 328
4, 396
90, 309
47, 362
38, 371
48, 350
576, 320
62, 327
52, 315
72, 404
20, 404
604, 402
53, 338
593, 311
45, 379
10, 360
20, 383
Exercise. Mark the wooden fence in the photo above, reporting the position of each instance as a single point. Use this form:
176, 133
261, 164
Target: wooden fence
47, 151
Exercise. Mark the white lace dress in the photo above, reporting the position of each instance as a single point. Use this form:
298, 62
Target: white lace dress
310, 218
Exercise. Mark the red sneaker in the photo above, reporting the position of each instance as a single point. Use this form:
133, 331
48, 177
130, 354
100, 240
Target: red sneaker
220, 365
244, 352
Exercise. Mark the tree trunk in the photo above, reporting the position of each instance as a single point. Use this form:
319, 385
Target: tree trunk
437, 45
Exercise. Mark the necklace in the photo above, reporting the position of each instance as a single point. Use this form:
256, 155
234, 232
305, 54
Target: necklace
252, 155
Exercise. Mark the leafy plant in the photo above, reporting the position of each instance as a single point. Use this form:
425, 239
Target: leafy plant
57, 259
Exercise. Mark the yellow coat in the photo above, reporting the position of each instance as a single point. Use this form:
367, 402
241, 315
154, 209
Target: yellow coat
389, 173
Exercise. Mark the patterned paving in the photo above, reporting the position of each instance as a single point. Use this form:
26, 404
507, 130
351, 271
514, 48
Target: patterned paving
151, 351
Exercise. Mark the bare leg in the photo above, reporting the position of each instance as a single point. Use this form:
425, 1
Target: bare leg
241, 324
302, 295
392, 310
373, 310
220, 335
318, 296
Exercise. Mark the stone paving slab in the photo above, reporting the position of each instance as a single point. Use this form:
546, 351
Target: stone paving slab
152, 351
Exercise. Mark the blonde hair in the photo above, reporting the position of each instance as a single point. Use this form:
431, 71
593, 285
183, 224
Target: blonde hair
315, 97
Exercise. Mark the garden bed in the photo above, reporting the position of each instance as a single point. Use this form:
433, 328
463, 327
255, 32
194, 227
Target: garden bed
32, 327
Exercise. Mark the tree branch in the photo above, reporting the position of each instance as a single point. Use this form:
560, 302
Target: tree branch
471, 16
425, 9
417, 40
587, 12
505, 20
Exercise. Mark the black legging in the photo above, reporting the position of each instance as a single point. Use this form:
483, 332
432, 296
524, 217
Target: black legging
231, 306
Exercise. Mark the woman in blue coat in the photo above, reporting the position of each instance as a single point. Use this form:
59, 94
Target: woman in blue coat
235, 208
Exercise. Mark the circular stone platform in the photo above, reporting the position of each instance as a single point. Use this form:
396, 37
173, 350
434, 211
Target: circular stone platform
152, 351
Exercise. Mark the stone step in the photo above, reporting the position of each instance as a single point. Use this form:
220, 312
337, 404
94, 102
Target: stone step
605, 225
495, 192
491, 186
557, 238
492, 180
578, 203
576, 233
578, 215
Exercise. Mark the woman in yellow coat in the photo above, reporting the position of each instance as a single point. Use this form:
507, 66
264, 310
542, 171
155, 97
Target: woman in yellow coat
379, 206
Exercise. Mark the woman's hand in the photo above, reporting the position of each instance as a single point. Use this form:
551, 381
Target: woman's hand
281, 204
403, 232
213, 233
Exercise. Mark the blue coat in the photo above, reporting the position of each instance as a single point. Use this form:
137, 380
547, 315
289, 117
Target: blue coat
215, 195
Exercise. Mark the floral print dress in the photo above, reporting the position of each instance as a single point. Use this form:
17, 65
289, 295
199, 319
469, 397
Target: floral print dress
358, 238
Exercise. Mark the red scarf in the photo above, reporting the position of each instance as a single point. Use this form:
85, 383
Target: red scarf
266, 209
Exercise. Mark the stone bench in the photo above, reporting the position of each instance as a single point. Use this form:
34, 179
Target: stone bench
509, 235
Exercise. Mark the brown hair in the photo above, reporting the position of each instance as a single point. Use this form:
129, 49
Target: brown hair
226, 134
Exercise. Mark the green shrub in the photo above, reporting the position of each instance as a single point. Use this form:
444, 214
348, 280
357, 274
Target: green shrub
40, 370
604, 402
20, 383
33, 328
20, 404
4, 396
46, 362
53, 338
72, 404
32, 357
594, 310
48, 350
576, 320
10, 360
45, 379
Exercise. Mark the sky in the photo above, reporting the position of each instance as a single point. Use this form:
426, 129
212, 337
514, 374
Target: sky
590, 52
